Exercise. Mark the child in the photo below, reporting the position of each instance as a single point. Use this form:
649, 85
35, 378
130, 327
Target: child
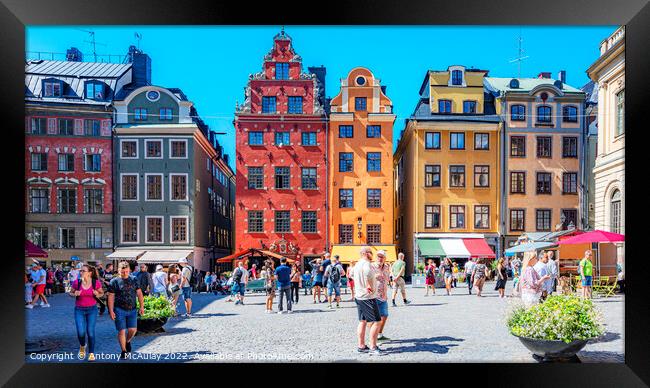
515, 282
28, 289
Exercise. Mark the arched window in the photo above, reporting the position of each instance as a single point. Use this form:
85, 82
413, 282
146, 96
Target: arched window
518, 113
570, 114
543, 114
615, 212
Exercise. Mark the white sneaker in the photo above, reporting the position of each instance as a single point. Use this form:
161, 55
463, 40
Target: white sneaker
279, 312
45, 305
29, 306
289, 312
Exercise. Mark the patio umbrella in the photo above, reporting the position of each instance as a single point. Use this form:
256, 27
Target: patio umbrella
596, 236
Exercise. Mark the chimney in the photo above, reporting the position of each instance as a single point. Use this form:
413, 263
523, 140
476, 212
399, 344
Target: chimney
383, 89
141, 65
73, 55
544, 74
320, 72
562, 76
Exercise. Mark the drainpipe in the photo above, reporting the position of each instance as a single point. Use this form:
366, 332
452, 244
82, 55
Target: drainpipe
503, 162
327, 177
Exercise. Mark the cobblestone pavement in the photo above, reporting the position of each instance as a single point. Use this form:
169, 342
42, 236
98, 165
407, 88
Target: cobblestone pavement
440, 328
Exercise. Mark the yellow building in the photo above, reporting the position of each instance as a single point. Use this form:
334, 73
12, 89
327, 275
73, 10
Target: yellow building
360, 145
447, 172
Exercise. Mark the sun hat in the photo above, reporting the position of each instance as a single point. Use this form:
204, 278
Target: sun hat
182, 260
159, 267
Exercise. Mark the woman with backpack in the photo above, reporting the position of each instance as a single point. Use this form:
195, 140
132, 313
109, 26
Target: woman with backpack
430, 277
447, 268
86, 290
174, 287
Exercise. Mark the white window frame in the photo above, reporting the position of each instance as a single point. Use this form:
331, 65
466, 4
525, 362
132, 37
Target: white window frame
170, 148
171, 230
162, 187
137, 150
122, 230
137, 188
162, 230
187, 187
464, 80
162, 152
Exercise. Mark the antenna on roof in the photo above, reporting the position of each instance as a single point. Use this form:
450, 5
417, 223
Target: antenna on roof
138, 36
92, 41
520, 54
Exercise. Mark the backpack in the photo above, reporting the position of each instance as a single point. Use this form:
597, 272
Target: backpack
335, 274
429, 273
237, 275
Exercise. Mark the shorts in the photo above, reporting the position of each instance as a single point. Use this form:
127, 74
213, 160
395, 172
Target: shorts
39, 289
270, 291
187, 293
586, 281
448, 275
317, 284
49, 286
351, 282
125, 319
334, 288
400, 284
368, 310
239, 288
383, 307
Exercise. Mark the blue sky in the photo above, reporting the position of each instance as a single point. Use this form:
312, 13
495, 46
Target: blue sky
211, 64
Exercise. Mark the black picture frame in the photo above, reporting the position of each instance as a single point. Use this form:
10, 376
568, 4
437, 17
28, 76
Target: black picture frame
15, 14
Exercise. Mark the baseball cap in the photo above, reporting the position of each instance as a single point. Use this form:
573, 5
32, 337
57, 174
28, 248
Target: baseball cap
182, 260
381, 252
159, 267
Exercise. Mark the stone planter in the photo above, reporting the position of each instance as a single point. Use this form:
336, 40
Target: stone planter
153, 325
417, 281
553, 351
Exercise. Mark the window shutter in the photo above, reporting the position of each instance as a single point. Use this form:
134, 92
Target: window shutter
106, 128
51, 126
78, 127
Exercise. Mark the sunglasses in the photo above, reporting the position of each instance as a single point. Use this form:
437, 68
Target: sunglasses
83, 270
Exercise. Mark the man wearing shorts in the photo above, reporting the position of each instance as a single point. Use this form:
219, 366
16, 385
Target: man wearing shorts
332, 277
186, 286
383, 278
240, 278
398, 269
585, 269
365, 296
38, 275
122, 293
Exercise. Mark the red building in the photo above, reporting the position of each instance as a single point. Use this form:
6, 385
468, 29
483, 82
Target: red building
281, 200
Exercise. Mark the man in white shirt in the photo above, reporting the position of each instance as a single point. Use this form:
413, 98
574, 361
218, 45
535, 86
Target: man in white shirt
365, 296
469, 267
552, 267
542, 270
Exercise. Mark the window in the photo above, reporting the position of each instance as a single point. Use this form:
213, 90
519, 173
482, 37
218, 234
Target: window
570, 183
456, 176
481, 217
67, 201
457, 140
309, 222
255, 177
620, 112
517, 182
517, 113
94, 237
345, 234
481, 141
469, 107
517, 220
432, 175
179, 229
40, 200
432, 216
66, 127
570, 218
456, 216
456, 77
154, 187
38, 126
615, 212
374, 161
255, 221
92, 127
360, 103
256, 138
93, 201
569, 114
543, 114
140, 114
178, 149
295, 104
39, 161
282, 139
569, 147
153, 149
94, 90
432, 140
373, 233
179, 187
41, 237
345, 162
282, 70
374, 198
309, 179
518, 146
309, 138
373, 131
93, 162
67, 238
543, 183
282, 177
481, 176
282, 221
346, 198
130, 187
52, 88
129, 149
544, 147
543, 220
444, 106
66, 162
346, 131
268, 105
154, 229
165, 113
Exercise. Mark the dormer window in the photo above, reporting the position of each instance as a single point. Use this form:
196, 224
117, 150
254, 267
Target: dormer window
456, 77
94, 90
281, 71
52, 88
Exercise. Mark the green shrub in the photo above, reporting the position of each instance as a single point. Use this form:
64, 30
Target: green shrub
420, 268
159, 307
559, 318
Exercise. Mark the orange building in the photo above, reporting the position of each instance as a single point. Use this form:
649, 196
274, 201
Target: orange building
360, 151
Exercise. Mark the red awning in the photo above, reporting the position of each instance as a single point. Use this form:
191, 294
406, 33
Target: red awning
595, 236
32, 250
229, 258
477, 247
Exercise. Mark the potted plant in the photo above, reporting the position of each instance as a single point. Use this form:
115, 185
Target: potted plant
556, 329
417, 280
156, 312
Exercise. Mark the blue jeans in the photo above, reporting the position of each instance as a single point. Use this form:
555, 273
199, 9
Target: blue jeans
84, 319
125, 319
187, 293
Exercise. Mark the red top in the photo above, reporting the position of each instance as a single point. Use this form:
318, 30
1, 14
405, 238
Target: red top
87, 298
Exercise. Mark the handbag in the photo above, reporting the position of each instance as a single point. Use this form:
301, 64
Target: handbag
174, 288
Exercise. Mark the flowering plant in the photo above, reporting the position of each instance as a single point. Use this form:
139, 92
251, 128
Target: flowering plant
559, 318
